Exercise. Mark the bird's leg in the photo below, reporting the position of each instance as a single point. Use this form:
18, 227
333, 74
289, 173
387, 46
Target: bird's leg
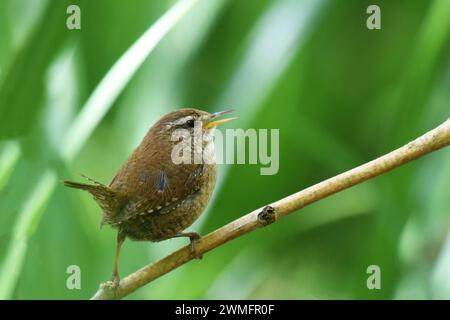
193, 237
113, 284
115, 278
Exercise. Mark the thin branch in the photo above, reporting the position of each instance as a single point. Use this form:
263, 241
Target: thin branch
429, 142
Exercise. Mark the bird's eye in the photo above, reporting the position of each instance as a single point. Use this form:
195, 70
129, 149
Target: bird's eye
190, 123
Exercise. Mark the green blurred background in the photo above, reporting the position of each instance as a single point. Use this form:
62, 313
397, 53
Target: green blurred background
340, 94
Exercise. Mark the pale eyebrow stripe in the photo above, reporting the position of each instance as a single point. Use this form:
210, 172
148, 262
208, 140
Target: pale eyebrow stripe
181, 120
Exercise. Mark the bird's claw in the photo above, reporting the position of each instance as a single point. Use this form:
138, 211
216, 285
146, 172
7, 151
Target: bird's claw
112, 284
193, 238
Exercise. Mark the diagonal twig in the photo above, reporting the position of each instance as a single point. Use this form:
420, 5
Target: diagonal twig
433, 140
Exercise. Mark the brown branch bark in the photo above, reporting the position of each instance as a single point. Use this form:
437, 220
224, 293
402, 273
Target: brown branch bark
433, 140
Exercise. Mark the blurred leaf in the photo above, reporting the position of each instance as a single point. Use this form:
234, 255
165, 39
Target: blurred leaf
9, 154
107, 91
18, 18
21, 89
24, 227
440, 281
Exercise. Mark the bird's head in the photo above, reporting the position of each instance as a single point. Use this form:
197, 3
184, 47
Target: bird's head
188, 123
189, 118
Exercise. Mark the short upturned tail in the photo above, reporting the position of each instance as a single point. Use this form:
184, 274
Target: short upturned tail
82, 186
108, 200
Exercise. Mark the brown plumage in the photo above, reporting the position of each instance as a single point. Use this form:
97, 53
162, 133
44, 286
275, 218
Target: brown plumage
151, 197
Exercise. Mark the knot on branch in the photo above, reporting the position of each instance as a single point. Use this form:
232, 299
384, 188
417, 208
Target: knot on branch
267, 216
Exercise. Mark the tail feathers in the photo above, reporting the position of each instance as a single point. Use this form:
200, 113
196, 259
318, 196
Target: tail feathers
78, 185
85, 186
101, 193
109, 200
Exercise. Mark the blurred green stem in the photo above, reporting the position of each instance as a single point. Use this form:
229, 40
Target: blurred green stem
27, 222
9, 154
433, 140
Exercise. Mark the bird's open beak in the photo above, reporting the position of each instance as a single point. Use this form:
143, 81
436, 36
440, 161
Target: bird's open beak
217, 122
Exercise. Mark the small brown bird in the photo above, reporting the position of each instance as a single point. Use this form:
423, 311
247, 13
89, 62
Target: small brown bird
154, 196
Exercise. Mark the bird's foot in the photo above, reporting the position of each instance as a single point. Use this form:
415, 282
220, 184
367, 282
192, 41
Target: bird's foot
193, 237
112, 284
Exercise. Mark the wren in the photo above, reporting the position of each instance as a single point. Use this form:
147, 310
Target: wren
152, 197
